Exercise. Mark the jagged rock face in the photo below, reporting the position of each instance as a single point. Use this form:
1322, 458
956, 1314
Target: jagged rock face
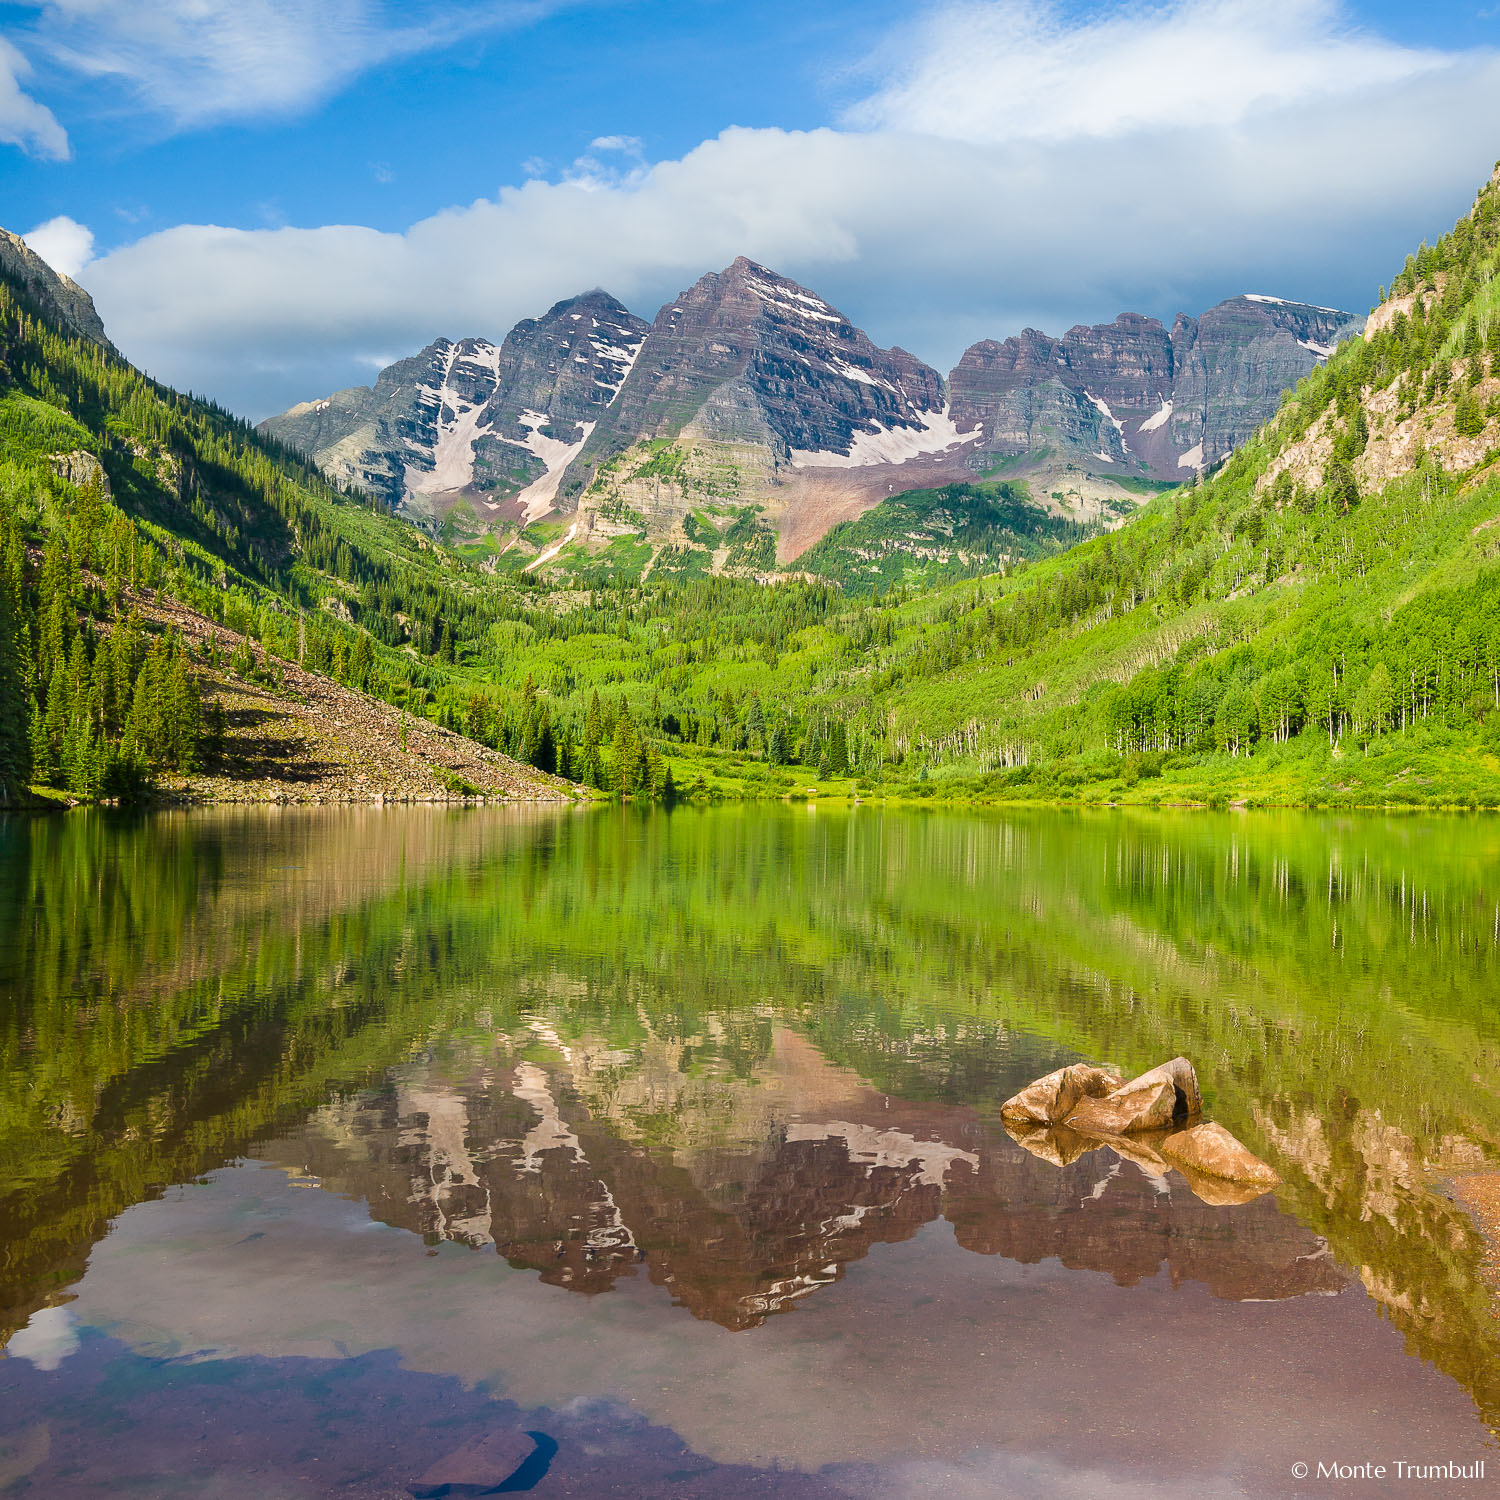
771, 398
1134, 399
745, 356
492, 425
57, 294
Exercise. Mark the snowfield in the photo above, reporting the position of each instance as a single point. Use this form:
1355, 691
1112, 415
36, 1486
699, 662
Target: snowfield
893, 445
1157, 418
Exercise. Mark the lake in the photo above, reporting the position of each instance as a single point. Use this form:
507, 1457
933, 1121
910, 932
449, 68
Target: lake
386, 1152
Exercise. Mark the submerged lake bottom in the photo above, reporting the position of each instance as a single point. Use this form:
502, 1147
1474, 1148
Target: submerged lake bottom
423, 1151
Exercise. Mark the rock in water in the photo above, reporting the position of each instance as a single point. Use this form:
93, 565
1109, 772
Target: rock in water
1218, 1192
1050, 1100
1141, 1152
1209, 1149
1151, 1102
479, 1467
1052, 1143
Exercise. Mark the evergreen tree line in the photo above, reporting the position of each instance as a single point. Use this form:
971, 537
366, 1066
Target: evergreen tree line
90, 704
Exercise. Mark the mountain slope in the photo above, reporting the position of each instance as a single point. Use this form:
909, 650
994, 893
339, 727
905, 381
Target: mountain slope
1319, 621
55, 295
747, 356
1131, 398
753, 395
472, 433
135, 524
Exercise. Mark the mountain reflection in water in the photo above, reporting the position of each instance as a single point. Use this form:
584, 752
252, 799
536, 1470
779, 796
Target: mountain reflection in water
282, 1093
771, 1185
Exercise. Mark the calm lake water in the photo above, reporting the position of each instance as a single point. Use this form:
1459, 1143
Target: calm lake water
372, 1152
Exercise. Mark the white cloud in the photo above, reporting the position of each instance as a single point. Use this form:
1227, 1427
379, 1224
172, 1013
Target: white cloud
992, 73
592, 174
931, 237
23, 122
198, 61
65, 244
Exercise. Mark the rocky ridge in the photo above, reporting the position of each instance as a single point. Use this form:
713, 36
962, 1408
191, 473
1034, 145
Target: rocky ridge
473, 433
59, 296
1136, 399
752, 416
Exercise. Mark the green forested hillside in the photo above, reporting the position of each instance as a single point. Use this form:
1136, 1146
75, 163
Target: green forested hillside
1319, 621
931, 537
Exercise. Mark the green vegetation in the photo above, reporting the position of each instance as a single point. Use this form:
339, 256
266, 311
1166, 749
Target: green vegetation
1272, 634
930, 537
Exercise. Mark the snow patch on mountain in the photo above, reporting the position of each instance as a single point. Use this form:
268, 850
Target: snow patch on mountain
456, 428
895, 445
864, 377
623, 354
1108, 415
543, 558
1157, 418
786, 299
536, 499
1321, 350
1286, 302
1192, 459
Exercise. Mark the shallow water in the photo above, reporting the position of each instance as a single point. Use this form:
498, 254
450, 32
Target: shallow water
661, 1154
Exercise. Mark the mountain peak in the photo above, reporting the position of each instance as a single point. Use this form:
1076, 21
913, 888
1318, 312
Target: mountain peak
471, 429
58, 295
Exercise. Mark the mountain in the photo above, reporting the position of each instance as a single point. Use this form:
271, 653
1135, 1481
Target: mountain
1130, 399
1317, 622
471, 433
55, 295
753, 417
188, 606
756, 411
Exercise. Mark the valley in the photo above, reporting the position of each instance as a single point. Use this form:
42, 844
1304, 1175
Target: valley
744, 552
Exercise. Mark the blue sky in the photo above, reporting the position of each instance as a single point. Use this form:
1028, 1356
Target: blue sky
268, 199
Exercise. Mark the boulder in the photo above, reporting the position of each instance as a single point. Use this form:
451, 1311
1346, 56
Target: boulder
479, 1467
1153, 1101
1052, 1143
1050, 1100
81, 468
1210, 1151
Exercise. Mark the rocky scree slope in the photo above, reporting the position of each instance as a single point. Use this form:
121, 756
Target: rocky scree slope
294, 736
122, 493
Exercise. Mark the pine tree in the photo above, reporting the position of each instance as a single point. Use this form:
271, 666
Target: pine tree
651, 772
592, 767
1468, 417
544, 757
361, 661
627, 748
15, 744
